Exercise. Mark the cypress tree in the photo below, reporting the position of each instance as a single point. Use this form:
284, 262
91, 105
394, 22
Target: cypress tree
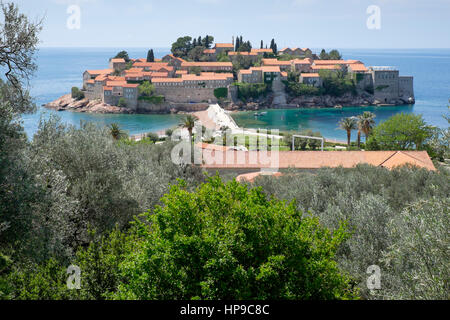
150, 56
237, 44
194, 43
262, 45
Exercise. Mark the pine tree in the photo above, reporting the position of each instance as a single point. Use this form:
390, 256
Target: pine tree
262, 44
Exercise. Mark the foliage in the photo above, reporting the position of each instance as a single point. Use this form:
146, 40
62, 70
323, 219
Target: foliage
404, 131
348, 124
224, 241
19, 40
146, 89
122, 103
296, 89
123, 55
153, 99
221, 93
223, 57
332, 55
337, 83
251, 90
77, 94
116, 132
303, 143
153, 136
366, 122
369, 198
150, 56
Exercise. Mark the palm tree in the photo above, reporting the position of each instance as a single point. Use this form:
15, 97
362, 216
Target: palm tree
189, 123
348, 124
116, 132
365, 124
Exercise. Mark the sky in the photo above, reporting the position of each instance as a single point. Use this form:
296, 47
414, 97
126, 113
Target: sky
293, 23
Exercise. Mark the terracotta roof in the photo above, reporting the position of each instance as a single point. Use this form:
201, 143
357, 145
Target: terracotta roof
326, 67
159, 80
306, 49
317, 159
181, 72
207, 64
210, 51
262, 50
275, 62
310, 75
284, 74
224, 45
150, 64
107, 88
358, 67
97, 72
131, 85
302, 61
118, 60
319, 62
246, 71
206, 77
267, 68
115, 83
250, 177
91, 81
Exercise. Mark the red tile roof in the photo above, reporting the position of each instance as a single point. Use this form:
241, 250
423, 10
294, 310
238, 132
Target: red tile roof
275, 62
316, 159
224, 45
207, 64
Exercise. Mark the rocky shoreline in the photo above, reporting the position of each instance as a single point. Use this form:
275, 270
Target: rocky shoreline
67, 103
347, 100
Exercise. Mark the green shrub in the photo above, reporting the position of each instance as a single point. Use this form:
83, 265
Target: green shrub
77, 94
251, 90
297, 89
122, 103
225, 241
153, 99
221, 93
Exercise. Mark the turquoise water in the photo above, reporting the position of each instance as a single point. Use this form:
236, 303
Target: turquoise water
59, 69
431, 71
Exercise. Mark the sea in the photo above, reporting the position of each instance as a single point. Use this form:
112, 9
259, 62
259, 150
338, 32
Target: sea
60, 69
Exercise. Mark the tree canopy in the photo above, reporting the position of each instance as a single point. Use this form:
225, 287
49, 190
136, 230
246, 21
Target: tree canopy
226, 241
404, 131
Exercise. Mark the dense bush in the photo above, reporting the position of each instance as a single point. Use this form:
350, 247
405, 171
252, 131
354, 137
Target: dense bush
77, 94
251, 90
371, 200
221, 93
297, 89
153, 99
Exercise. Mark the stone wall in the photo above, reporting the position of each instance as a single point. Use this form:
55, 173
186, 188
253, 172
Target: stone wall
168, 107
406, 88
386, 85
183, 95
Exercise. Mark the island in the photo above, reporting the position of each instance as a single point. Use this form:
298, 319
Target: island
236, 76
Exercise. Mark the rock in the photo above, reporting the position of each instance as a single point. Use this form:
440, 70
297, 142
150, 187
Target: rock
66, 102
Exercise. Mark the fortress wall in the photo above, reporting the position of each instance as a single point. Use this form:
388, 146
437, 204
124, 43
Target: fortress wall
406, 87
386, 85
183, 95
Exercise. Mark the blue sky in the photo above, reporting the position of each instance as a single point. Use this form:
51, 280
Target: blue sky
295, 23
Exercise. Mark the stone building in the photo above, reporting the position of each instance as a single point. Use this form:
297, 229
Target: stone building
208, 66
117, 64
223, 47
312, 79
389, 87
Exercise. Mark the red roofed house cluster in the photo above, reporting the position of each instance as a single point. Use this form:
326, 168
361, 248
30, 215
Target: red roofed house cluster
180, 81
